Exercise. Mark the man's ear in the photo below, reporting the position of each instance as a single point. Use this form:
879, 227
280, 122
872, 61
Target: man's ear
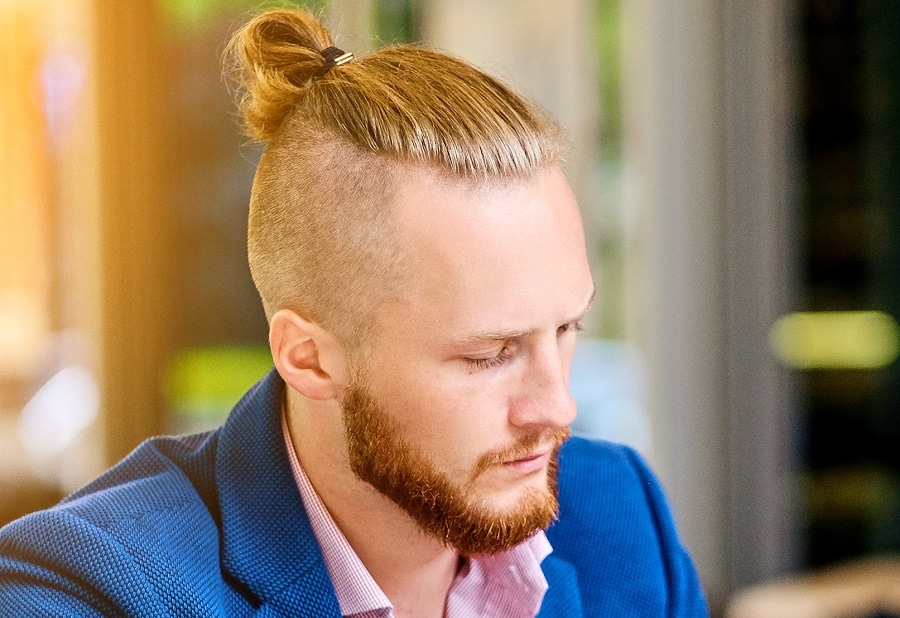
309, 359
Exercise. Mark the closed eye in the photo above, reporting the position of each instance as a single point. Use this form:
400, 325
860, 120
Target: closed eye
478, 364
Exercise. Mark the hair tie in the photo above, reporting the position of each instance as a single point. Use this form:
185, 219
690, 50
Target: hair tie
333, 57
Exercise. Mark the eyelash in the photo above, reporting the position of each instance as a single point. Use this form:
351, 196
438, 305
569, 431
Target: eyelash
576, 326
505, 353
486, 363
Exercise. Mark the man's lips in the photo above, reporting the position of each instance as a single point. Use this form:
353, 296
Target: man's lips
530, 463
528, 455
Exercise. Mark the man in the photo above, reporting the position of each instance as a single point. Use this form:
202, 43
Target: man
421, 260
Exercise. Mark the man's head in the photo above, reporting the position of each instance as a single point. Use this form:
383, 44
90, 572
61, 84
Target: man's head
422, 264
321, 228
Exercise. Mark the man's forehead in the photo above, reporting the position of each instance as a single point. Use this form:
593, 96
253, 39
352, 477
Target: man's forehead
479, 251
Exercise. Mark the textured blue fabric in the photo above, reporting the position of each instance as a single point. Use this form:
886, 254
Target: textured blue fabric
213, 525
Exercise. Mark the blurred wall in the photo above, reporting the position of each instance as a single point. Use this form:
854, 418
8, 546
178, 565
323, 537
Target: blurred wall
707, 166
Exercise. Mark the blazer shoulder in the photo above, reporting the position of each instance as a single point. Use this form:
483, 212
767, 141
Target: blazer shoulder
590, 456
604, 489
145, 520
180, 461
615, 526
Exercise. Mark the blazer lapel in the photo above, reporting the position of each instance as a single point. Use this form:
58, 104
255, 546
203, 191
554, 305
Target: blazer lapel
563, 599
268, 546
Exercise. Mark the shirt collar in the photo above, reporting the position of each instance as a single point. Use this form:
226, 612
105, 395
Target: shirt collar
508, 584
356, 591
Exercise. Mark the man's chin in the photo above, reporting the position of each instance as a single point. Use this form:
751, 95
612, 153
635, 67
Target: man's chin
497, 527
506, 499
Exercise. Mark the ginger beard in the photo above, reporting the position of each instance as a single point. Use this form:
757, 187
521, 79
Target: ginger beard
380, 456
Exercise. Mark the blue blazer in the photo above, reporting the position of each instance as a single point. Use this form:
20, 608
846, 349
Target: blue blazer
213, 525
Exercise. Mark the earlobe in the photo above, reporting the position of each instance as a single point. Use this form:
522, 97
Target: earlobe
304, 355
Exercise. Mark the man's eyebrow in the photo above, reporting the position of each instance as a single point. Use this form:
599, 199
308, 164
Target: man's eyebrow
493, 336
490, 336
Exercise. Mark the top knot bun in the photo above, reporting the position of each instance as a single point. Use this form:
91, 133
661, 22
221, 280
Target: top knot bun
272, 59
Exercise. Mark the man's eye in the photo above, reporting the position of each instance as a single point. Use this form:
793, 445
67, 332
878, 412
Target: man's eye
573, 327
477, 364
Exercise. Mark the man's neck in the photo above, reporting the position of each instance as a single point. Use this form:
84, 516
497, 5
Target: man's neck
415, 571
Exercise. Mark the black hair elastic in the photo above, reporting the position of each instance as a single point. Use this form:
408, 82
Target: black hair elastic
333, 57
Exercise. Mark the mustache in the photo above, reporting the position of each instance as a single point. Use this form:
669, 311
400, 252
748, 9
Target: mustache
523, 447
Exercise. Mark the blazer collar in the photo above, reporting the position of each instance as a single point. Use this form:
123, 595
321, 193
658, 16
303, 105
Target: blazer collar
268, 544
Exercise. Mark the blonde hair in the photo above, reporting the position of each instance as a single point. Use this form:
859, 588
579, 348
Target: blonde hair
320, 237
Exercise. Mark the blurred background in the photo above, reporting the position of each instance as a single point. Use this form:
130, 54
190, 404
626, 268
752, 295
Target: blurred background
737, 164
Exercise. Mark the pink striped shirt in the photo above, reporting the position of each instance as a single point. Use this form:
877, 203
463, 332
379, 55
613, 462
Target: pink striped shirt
510, 584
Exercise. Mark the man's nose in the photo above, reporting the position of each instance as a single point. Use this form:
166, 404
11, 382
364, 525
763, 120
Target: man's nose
545, 400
